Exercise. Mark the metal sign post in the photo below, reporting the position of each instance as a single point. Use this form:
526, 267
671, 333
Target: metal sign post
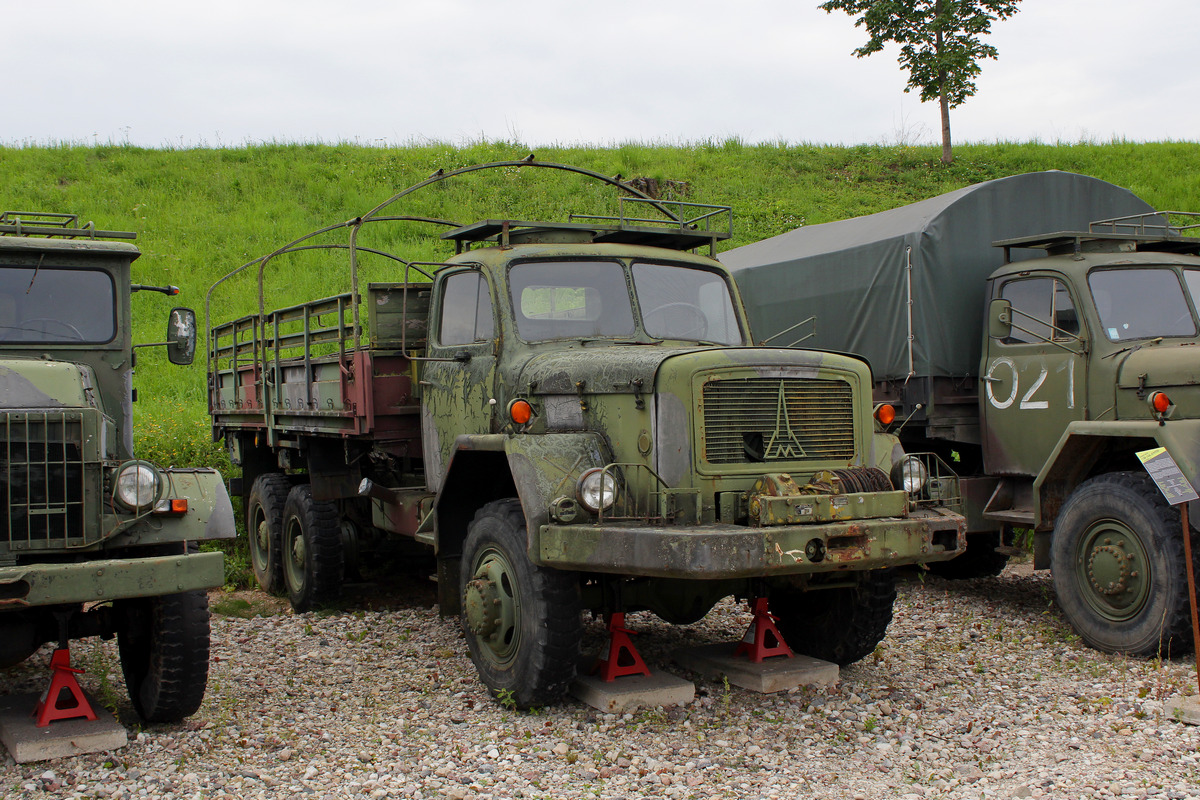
1175, 487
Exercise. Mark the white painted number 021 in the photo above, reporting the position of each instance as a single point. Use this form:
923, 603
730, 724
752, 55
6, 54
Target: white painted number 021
1027, 400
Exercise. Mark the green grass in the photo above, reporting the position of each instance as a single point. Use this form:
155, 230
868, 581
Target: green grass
200, 213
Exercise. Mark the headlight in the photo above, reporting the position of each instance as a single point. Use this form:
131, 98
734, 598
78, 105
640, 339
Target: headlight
138, 485
597, 490
909, 474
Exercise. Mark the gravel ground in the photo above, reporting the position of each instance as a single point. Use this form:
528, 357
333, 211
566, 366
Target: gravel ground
980, 690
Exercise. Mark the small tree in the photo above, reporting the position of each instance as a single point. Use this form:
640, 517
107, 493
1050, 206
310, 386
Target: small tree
939, 44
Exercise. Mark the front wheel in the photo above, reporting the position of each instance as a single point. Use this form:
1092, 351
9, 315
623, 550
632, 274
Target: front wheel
163, 644
1118, 564
522, 622
312, 550
840, 625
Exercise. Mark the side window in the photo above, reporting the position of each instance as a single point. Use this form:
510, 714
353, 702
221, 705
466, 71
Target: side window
1042, 303
466, 312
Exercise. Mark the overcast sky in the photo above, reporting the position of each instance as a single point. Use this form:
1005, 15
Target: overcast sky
221, 73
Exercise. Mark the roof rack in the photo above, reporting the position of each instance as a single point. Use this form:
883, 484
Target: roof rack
695, 225
49, 224
1155, 231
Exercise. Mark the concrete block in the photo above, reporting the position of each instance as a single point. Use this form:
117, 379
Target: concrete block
26, 742
1184, 709
633, 691
775, 674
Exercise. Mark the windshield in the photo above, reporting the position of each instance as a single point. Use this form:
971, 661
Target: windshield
591, 299
50, 305
1141, 303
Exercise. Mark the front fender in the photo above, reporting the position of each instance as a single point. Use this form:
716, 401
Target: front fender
1083, 443
547, 466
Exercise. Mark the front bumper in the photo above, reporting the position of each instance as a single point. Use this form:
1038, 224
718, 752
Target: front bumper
108, 579
736, 551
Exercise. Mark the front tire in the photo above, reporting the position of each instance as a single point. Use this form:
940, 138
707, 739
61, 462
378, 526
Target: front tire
840, 625
1119, 570
163, 643
312, 550
264, 528
522, 622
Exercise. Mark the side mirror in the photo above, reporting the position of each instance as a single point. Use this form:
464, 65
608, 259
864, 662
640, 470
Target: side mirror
1000, 319
181, 336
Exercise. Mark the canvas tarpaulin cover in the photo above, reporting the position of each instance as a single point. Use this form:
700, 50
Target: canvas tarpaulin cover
857, 276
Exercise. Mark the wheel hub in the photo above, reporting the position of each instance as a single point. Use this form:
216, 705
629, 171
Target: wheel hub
298, 551
482, 604
1110, 567
264, 536
1114, 569
491, 609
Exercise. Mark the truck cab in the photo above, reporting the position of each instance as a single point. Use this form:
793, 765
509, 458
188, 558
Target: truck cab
95, 541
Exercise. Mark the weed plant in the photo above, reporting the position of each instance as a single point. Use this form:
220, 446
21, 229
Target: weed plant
202, 212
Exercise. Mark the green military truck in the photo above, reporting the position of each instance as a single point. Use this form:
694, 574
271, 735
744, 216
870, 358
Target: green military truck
1041, 370
572, 416
95, 541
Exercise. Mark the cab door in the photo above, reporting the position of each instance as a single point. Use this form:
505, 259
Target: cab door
1033, 377
458, 377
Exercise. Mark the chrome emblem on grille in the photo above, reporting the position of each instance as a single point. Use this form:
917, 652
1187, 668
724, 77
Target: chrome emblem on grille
783, 443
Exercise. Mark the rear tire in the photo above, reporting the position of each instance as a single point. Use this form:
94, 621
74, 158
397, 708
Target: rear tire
312, 550
1119, 570
839, 625
522, 622
163, 644
264, 528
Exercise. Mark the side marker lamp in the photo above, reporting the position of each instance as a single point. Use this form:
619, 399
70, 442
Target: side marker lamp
885, 413
520, 412
1160, 402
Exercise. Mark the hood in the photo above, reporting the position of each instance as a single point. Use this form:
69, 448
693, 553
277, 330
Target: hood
1173, 368
602, 370
29, 383
1162, 364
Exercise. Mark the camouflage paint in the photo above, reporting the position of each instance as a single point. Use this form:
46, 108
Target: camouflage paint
81, 394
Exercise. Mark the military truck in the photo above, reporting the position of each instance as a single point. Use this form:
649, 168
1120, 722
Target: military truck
1039, 370
572, 417
95, 541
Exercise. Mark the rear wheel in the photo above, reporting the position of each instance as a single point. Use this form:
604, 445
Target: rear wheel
264, 527
312, 549
839, 625
1119, 570
522, 622
163, 644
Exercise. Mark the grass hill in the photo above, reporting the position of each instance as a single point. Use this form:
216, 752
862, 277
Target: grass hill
200, 213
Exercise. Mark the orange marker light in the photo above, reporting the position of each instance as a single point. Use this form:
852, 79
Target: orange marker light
885, 414
520, 411
179, 505
1160, 402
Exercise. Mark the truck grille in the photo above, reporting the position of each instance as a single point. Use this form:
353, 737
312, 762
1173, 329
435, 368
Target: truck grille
43, 480
750, 420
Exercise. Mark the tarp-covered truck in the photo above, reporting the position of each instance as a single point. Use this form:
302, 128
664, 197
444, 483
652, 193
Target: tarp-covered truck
93, 540
1039, 371
571, 415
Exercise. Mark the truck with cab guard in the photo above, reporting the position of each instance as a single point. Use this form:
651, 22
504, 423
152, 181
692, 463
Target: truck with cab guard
1039, 371
94, 541
571, 415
